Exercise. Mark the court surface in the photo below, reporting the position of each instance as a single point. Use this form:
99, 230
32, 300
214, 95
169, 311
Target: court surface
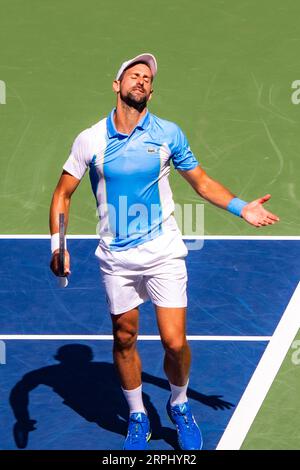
238, 293
225, 75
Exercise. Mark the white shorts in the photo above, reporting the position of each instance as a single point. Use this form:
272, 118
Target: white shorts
154, 270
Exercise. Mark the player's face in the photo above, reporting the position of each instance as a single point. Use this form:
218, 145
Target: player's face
136, 84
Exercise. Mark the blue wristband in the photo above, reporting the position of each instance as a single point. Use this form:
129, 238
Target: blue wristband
236, 206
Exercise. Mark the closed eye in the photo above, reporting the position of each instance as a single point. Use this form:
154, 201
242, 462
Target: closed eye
145, 77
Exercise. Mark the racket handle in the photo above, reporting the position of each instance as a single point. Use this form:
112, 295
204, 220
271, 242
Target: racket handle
63, 281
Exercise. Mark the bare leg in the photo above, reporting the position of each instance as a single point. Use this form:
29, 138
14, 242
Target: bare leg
172, 327
128, 364
126, 357
171, 323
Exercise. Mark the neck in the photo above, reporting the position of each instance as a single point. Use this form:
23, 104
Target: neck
126, 117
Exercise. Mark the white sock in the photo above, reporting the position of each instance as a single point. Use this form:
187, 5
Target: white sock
135, 400
178, 394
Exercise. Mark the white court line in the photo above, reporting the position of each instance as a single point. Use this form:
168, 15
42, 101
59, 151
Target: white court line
140, 337
263, 376
185, 237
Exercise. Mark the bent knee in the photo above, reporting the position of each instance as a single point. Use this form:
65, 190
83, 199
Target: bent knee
124, 339
175, 345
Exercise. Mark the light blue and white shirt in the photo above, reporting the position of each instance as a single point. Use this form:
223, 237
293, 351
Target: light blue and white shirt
129, 175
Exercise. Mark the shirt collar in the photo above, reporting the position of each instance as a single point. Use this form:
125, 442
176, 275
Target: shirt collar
111, 128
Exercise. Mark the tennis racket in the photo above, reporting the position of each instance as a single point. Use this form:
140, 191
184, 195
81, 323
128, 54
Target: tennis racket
63, 280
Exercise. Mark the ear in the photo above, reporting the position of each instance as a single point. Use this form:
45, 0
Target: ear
151, 93
116, 86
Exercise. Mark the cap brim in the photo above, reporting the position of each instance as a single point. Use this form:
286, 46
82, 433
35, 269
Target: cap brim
149, 59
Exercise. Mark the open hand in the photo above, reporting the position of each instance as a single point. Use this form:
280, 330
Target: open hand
255, 214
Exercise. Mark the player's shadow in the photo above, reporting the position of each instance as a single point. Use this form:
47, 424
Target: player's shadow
92, 390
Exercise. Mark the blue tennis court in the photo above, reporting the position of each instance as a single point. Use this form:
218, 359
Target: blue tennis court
238, 292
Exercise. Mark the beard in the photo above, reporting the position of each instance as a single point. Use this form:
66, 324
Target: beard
139, 102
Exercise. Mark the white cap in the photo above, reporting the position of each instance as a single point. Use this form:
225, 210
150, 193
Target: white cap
148, 58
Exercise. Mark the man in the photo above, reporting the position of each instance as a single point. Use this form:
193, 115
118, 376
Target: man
141, 251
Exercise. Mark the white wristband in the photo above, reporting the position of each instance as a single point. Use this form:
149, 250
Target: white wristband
55, 242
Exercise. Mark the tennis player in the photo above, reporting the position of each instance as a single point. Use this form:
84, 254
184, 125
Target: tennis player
141, 252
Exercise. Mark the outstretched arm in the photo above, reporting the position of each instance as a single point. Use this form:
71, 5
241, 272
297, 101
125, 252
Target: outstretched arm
19, 401
19, 396
254, 213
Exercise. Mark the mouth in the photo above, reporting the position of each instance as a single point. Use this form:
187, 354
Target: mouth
140, 90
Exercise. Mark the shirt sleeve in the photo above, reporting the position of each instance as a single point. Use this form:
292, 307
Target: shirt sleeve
80, 156
182, 156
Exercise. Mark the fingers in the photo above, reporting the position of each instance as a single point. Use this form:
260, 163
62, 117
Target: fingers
271, 220
267, 218
54, 265
272, 217
261, 222
259, 217
67, 264
266, 221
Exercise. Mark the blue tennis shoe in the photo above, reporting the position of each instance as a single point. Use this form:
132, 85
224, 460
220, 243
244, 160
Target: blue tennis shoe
188, 432
138, 433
